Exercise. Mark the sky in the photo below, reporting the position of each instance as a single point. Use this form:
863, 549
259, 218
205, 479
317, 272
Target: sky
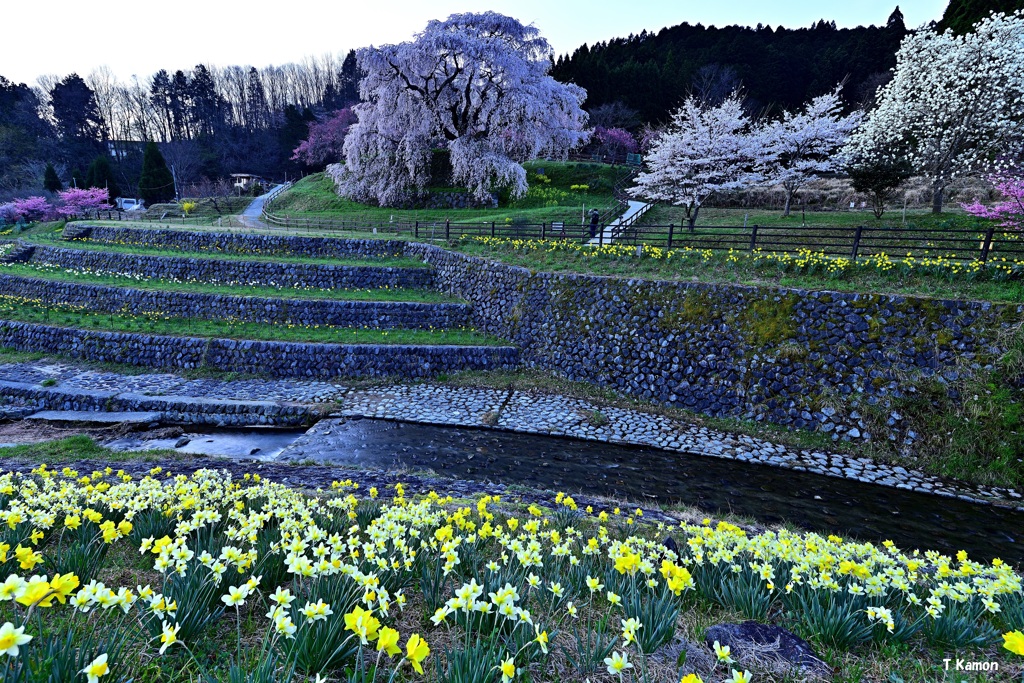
139, 37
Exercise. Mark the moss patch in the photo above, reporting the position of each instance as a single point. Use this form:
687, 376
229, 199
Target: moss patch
768, 320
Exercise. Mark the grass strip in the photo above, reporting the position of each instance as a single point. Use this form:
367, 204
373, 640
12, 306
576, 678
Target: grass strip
35, 311
740, 268
44, 271
145, 250
82, 447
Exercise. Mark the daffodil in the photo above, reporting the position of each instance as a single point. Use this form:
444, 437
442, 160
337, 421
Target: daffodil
11, 638
508, 670
416, 650
1014, 642
387, 641
617, 663
98, 667
722, 653
168, 636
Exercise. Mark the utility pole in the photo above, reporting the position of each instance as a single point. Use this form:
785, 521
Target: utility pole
174, 177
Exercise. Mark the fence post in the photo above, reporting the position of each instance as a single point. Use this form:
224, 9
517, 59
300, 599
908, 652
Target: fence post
671, 230
987, 244
753, 237
543, 230
856, 242
492, 228
600, 236
447, 228
416, 229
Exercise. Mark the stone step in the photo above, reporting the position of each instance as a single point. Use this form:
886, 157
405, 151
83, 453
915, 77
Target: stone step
96, 417
190, 410
20, 253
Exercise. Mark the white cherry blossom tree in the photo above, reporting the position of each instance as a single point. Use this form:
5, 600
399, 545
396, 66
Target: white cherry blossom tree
803, 144
955, 105
705, 149
476, 84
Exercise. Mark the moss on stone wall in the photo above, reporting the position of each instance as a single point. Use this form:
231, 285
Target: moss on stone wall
768, 320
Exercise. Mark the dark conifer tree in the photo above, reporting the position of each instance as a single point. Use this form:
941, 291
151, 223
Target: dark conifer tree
51, 183
101, 174
156, 184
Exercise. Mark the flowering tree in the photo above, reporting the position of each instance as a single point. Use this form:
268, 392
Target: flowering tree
477, 84
1010, 212
801, 145
8, 214
326, 140
954, 102
705, 149
76, 201
29, 209
615, 141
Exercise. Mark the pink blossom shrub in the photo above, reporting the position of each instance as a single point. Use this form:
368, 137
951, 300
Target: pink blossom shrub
1010, 212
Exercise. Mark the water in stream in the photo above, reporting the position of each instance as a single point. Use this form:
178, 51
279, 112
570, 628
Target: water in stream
647, 475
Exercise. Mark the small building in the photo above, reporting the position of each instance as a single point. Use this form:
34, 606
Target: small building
243, 181
130, 204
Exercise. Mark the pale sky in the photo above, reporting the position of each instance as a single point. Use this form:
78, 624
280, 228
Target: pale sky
142, 36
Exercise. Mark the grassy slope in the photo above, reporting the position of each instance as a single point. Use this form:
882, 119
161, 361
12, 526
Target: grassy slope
383, 294
314, 197
14, 308
92, 245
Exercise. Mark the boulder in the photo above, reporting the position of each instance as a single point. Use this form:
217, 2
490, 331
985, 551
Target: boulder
755, 642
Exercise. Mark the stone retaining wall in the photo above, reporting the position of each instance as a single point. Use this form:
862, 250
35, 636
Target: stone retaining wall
315, 275
273, 359
175, 409
237, 243
809, 359
374, 314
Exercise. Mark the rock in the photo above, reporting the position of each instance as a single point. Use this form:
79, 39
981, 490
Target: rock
768, 642
183, 441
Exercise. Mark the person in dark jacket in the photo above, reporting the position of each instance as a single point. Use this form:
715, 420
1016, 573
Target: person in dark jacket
595, 218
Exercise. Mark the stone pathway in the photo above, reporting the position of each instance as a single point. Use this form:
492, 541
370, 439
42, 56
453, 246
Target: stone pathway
243, 402
253, 213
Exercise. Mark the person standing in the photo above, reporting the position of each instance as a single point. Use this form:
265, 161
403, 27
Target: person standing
595, 218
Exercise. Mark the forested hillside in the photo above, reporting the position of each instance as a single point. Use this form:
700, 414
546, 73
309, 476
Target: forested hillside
961, 15
652, 72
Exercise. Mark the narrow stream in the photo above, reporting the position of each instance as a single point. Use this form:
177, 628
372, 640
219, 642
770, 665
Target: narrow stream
645, 475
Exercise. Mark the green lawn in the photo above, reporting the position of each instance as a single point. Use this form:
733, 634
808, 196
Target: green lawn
24, 310
51, 272
145, 250
663, 214
314, 198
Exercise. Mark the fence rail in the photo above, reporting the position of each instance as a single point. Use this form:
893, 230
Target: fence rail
980, 244
962, 244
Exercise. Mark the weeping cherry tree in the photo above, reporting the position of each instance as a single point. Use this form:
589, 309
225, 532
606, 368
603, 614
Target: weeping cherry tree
476, 84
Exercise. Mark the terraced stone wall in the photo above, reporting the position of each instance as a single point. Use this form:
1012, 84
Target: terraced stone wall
315, 275
237, 243
375, 314
816, 360
265, 358
785, 356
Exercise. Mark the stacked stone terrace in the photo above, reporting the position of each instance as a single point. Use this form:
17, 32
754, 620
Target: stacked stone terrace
245, 260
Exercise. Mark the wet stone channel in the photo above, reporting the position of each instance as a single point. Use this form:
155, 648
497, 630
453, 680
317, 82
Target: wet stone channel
643, 476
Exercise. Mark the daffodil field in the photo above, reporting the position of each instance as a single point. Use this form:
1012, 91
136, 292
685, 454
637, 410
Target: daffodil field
205, 577
908, 272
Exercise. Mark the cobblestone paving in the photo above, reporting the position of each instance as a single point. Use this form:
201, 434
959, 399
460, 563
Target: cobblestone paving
510, 410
